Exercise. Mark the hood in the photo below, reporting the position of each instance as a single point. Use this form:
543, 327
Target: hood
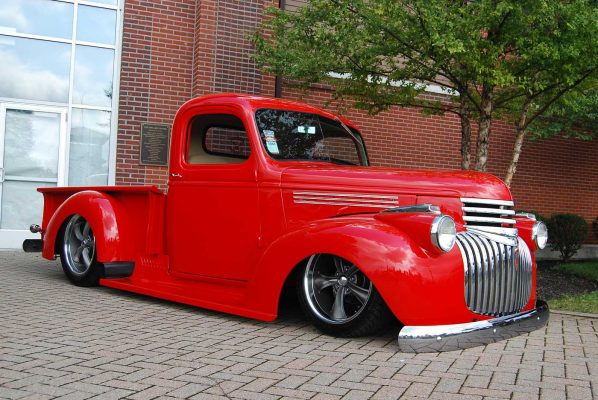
440, 183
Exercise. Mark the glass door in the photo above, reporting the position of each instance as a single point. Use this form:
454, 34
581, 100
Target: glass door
32, 155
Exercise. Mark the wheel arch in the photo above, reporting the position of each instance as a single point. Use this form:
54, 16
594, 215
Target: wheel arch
108, 222
379, 250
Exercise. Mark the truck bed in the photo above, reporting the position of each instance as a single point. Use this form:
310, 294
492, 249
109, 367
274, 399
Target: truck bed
144, 206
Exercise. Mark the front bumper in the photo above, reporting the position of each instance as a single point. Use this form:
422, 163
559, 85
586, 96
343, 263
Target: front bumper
428, 339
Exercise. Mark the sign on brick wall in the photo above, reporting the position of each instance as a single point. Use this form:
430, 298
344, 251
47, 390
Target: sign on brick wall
155, 140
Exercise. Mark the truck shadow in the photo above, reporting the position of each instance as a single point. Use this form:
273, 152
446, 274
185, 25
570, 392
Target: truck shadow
290, 316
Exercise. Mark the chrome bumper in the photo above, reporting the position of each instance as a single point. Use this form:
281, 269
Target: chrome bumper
428, 339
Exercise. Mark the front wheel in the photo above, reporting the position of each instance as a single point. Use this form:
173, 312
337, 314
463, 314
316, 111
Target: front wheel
78, 253
339, 299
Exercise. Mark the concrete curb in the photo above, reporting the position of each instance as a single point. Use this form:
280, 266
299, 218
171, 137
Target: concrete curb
575, 314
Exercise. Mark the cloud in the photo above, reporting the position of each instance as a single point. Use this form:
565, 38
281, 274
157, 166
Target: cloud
22, 81
11, 15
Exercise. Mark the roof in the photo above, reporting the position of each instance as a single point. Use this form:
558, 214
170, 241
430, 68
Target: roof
256, 102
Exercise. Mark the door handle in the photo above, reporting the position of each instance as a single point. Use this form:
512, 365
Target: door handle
176, 175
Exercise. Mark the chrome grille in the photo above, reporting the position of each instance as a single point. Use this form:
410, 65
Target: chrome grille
498, 276
488, 213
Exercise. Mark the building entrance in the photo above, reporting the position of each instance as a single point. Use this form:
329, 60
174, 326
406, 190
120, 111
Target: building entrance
32, 154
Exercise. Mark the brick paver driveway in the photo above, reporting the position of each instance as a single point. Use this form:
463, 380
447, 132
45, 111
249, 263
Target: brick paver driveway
58, 340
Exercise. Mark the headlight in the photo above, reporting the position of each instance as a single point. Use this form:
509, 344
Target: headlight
540, 234
443, 232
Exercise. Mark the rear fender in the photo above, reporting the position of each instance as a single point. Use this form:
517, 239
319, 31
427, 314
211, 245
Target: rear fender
107, 219
386, 254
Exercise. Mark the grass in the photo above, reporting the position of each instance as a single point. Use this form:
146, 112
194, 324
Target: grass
585, 302
587, 270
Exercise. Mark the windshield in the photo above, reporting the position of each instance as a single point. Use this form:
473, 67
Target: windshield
292, 135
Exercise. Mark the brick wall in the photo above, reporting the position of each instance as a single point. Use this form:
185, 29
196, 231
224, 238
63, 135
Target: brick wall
156, 78
222, 50
173, 50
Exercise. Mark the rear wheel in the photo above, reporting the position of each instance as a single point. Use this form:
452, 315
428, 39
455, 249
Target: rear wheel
78, 253
339, 299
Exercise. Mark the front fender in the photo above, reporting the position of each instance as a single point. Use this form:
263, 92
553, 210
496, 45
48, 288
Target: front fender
404, 274
107, 219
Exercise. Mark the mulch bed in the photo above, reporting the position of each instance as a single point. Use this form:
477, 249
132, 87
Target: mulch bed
552, 284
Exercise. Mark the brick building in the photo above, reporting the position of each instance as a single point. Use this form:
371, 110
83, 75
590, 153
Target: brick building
125, 63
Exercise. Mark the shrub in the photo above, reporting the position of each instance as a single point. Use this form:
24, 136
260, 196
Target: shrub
566, 233
595, 227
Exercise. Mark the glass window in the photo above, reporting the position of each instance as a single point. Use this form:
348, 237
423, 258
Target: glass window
93, 76
34, 69
218, 139
96, 25
227, 142
22, 205
111, 2
89, 147
37, 17
31, 141
292, 135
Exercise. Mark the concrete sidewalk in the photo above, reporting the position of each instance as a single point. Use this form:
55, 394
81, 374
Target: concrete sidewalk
61, 341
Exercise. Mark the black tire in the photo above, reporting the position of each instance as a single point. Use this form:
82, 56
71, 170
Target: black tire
362, 310
78, 254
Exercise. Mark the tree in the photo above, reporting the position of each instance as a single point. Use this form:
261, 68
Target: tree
574, 115
513, 59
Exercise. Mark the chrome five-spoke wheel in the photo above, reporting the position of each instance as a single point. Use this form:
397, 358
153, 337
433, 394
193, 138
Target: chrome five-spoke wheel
78, 252
337, 291
338, 297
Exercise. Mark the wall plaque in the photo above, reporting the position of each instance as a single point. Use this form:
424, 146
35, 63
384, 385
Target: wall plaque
155, 144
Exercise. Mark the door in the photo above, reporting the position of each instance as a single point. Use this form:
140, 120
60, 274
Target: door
212, 204
32, 155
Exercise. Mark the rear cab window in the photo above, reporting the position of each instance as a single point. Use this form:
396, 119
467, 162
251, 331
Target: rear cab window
217, 139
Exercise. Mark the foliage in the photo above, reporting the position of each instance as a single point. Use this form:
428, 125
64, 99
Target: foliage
566, 233
513, 58
586, 302
586, 270
595, 227
574, 115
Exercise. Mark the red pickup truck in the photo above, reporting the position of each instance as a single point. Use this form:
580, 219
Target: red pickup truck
265, 194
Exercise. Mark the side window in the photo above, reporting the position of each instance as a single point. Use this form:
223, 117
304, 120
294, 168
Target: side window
217, 139
342, 148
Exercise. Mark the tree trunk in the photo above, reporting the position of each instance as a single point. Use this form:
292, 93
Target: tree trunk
521, 130
517, 147
465, 133
484, 130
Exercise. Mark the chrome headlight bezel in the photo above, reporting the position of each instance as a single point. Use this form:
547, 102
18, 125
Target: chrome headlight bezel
540, 234
443, 233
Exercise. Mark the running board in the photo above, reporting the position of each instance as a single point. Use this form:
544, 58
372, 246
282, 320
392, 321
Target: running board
218, 297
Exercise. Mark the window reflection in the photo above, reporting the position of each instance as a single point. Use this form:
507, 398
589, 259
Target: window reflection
89, 147
31, 141
112, 2
93, 76
37, 17
31, 144
96, 25
34, 69
22, 205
